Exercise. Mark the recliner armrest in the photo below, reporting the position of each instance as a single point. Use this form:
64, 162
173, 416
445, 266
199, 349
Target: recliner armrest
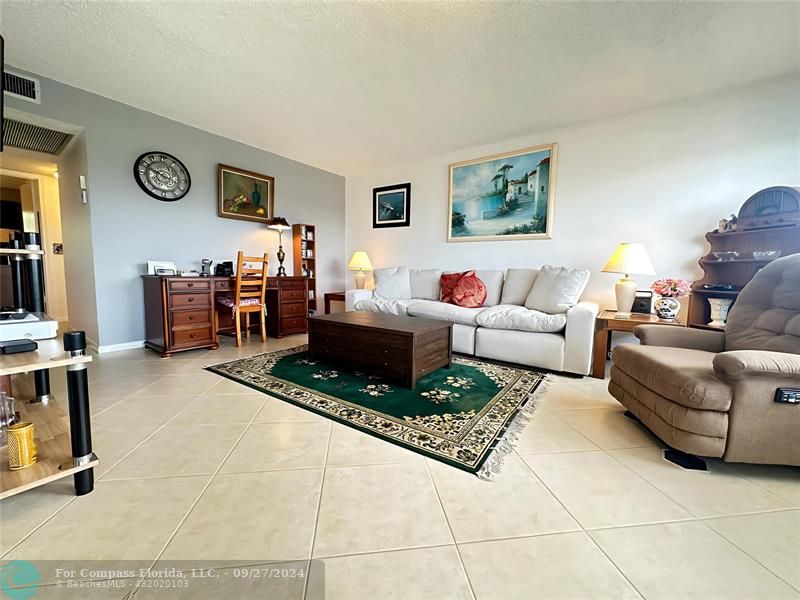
738, 364
353, 296
680, 337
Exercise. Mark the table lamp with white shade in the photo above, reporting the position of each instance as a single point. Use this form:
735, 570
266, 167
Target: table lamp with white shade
360, 264
628, 258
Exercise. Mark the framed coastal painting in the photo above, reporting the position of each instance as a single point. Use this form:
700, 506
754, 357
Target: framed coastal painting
244, 194
391, 206
503, 197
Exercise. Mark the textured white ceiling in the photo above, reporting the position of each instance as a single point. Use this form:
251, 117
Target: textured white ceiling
351, 86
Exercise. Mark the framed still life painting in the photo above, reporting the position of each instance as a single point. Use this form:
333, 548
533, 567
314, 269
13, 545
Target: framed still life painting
503, 197
391, 206
245, 195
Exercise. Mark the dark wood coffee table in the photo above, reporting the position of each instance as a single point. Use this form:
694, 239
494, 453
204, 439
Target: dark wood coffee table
401, 348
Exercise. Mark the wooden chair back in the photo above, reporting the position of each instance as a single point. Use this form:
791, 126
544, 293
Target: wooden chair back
251, 282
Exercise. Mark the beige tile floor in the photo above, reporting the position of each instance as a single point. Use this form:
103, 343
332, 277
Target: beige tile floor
200, 469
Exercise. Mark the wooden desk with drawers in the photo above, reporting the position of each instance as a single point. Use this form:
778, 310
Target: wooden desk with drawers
179, 310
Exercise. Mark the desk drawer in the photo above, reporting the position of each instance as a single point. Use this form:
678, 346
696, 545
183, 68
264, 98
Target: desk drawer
192, 337
292, 295
224, 284
293, 324
188, 300
293, 309
190, 285
297, 284
190, 317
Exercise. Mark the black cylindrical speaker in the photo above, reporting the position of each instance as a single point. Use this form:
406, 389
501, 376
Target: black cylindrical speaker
17, 264
35, 272
79, 414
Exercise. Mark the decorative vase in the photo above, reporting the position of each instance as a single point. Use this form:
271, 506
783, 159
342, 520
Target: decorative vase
719, 311
667, 308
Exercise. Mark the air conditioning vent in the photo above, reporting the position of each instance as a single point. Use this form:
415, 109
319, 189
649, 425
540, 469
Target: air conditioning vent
32, 137
22, 87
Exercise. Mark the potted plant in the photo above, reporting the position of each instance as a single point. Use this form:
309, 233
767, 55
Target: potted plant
669, 291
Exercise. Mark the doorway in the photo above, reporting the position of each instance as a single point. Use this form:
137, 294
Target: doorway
30, 202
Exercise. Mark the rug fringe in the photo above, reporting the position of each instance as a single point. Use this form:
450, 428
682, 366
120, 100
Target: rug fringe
508, 440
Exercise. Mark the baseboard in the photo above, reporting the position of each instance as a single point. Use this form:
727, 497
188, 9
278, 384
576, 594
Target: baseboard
119, 347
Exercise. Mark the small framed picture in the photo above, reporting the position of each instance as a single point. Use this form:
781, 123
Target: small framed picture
391, 206
245, 195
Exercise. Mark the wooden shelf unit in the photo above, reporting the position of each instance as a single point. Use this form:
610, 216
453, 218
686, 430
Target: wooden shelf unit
51, 423
737, 272
304, 256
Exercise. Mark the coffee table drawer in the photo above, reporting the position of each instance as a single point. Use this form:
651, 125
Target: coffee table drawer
368, 340
392, 362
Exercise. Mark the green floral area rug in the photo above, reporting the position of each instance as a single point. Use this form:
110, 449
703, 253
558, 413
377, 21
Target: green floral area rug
466, 416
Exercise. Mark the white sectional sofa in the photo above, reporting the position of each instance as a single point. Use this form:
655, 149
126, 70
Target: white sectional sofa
531, 316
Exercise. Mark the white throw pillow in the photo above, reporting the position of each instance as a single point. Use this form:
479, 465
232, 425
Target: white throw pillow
493, 280
556, 289
518, 285
425, 283
392, 283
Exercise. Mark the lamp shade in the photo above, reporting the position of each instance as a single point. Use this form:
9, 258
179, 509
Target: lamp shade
360, 262
279, 224
630, 258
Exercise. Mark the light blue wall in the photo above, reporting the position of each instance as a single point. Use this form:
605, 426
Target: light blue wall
128, 227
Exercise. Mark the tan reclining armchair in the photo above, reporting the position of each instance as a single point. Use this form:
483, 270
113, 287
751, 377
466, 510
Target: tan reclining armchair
712, 393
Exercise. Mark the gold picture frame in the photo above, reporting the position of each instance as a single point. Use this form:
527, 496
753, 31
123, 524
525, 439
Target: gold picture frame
503, 197
244, 195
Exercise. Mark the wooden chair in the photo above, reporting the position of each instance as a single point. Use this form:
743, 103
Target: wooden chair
249, 295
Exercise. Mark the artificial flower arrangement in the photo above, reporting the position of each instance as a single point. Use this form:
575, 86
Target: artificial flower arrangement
671, 288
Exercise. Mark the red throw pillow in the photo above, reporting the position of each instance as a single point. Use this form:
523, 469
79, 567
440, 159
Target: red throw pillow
448, 282
470, 291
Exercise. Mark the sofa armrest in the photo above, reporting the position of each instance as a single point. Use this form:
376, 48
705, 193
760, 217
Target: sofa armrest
738, 364
579, 337
353, 296
680, 337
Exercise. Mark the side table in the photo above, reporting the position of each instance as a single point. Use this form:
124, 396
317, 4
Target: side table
607, 321
332, 297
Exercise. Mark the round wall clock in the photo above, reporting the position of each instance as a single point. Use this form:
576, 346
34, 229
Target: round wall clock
162, 176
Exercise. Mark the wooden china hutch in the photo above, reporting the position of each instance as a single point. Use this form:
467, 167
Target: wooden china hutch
769, 221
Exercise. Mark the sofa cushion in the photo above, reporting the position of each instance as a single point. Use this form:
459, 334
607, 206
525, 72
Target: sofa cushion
425, 283
493, 280
470, 292
392, 283
556, 289
684, 376
430, 309
384, 306
518, 285
509, 316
